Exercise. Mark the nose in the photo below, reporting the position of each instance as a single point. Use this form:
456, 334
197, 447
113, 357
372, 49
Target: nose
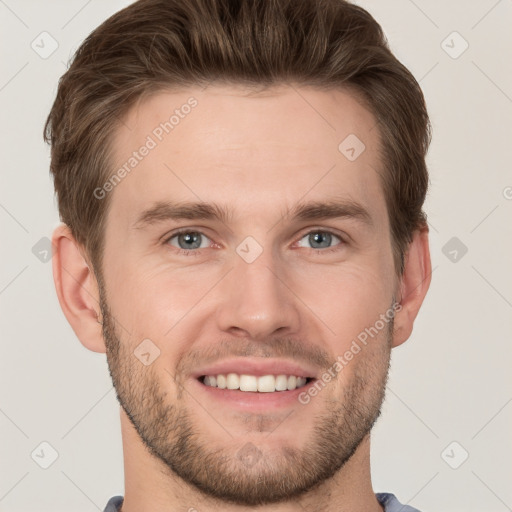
256, 299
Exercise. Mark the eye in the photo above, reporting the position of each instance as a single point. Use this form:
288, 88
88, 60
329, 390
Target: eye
188, 240
320, 239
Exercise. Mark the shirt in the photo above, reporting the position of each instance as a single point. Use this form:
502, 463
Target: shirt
387, 500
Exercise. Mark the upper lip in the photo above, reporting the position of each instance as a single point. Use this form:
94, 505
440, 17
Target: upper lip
256, 366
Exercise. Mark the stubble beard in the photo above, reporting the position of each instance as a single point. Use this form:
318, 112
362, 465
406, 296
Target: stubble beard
244, 473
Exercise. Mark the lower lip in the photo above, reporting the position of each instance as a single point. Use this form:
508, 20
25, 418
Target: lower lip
253, 400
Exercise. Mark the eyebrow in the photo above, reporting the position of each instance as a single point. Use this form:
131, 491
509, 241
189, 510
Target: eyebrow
167, 210
322, 210
315, 210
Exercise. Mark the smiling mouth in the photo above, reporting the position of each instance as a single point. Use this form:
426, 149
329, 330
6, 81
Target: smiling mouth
255, 383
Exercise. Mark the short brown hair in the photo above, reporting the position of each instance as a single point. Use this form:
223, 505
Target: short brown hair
154, 45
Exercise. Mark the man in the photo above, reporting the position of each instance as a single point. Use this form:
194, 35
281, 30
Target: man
241, 187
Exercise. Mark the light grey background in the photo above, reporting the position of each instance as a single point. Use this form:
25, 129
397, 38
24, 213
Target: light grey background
449, 383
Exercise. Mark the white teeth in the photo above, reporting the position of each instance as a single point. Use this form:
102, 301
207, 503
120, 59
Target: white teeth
300, 381
281, 383
221, 381
248, 383
262, 384
292, 382
232, 381
267, 384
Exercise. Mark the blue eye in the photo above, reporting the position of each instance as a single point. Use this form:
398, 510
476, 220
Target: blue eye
320, 239
189, 240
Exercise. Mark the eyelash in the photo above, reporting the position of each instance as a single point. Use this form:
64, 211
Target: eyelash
197, 252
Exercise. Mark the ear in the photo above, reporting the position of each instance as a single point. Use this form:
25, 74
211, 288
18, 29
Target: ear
413, 287
77, 289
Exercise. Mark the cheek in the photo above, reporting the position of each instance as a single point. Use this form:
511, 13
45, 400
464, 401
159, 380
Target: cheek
150, 301
346, 298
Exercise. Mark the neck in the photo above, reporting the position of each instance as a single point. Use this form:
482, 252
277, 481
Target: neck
150, 485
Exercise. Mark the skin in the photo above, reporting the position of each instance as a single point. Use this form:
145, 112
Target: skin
260, 154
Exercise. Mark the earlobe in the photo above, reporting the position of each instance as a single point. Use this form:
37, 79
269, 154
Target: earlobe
414, 285
77, 289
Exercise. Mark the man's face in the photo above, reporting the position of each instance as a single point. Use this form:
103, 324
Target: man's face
262, 291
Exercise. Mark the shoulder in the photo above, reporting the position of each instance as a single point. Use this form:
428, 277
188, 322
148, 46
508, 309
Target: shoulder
391, 504
114, 504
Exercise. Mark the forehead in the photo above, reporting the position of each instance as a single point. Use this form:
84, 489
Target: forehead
254, 151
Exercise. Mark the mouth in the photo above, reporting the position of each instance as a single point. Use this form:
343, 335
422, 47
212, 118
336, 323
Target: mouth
254, 384
253, 394
247, 383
